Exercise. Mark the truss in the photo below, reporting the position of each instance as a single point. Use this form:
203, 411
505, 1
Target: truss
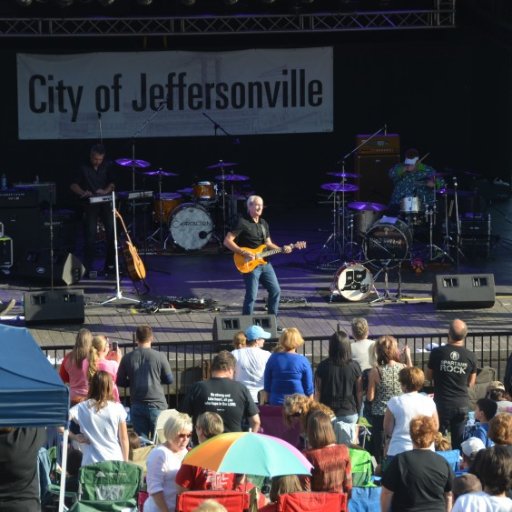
442, 16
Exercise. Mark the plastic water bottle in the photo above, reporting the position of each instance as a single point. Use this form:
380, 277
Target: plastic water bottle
3, 182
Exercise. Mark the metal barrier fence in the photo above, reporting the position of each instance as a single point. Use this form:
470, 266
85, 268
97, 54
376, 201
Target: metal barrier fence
190, 361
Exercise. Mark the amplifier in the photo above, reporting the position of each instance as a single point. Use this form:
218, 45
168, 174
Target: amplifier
19, 198
379, 145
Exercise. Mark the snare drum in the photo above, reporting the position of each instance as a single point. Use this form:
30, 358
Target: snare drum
410, 204
191, 226
164, 204
204, 191
353, 282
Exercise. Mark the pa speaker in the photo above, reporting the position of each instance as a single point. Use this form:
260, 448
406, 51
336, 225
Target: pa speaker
67, 268
54, 306
460, 291
226, 326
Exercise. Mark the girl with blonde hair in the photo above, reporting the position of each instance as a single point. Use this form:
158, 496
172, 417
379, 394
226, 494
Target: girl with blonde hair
98, 361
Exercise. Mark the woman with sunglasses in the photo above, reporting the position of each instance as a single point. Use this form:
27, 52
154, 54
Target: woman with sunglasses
163, 464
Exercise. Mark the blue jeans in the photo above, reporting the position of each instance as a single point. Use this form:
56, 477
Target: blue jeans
265, 275
144, 418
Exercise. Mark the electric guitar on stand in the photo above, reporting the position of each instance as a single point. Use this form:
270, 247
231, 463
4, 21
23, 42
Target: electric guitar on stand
134, 265
245, 265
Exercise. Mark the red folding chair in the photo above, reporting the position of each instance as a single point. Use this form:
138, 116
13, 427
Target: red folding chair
234, 501
272, 424
312, 502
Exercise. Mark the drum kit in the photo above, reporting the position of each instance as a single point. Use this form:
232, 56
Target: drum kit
185, 217
362, 232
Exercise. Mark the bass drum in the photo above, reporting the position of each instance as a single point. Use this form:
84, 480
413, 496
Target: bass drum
353, 282
191, 226
388, 239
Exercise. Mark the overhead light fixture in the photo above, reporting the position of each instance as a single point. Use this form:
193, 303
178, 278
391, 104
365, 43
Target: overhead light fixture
24, 3
144, 3
188, 3
230, 2
106, 3
65, 3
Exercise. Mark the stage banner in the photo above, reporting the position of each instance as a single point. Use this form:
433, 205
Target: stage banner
172, 94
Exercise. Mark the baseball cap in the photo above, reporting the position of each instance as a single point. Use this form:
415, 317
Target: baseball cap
471, 446
255, 332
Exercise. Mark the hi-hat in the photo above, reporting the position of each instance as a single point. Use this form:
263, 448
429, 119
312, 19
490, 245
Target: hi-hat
160, 172
367, 206
343, 174
231, 177
221, 165
128, 162
337, 187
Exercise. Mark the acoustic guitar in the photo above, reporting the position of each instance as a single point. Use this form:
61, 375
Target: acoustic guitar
245, 265
134, 265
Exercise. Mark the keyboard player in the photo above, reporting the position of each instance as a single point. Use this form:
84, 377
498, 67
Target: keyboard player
95, 179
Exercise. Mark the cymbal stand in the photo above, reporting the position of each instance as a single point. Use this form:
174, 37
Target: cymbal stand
119, 293
431, 214
457, 220
333, 238
160, 229
386, 297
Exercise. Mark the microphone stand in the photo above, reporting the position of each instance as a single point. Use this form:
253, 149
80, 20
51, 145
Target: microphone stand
100, 128
457, 220
119, 293
216, 127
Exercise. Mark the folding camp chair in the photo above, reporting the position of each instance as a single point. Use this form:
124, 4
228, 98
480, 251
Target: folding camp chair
312, 502
233, 501
272, 424
362, 467
108, 486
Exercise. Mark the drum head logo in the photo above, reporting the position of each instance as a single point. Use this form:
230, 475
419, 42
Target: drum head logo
454, 356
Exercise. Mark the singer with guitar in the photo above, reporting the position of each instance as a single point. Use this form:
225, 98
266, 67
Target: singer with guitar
245, 241
95, 179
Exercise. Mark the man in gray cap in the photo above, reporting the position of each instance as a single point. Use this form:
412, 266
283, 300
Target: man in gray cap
251, 360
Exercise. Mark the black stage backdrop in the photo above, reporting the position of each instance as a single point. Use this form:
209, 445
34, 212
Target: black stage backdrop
446, 92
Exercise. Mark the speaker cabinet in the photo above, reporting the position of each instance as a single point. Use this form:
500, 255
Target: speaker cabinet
67, 268
461, 291
226, 326
54, 306
373, 181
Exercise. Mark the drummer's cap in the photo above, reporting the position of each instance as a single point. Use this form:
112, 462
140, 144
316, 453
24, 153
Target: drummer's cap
411, 156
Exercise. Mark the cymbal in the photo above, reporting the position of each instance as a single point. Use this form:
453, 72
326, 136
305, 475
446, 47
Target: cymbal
336, 187
460, 193
128, 162
160, 172
231, 177
367, 206
222, 165
343, 174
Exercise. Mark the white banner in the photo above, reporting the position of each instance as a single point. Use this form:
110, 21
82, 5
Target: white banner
169, 94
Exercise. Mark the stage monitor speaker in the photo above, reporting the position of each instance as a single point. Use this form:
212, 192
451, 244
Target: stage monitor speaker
54, 306
67, 268
226, 326
373, 177
461, 291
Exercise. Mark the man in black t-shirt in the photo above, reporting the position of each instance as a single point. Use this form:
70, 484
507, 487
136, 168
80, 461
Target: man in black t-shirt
453, 369
95, 179
251, 232
221, 394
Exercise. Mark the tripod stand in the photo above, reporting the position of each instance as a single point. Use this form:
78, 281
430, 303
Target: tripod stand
119, 293
431, 214
386, 297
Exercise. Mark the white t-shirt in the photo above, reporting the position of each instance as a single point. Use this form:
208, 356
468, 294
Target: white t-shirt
482, 502
162, 465
250, 367
404, 408
363, 353
101, 428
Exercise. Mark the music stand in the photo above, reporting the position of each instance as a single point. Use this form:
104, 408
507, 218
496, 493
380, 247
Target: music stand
119, 293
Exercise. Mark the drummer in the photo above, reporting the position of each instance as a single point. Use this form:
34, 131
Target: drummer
414, 179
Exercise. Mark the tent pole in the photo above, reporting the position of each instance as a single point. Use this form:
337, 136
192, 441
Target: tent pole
62, 489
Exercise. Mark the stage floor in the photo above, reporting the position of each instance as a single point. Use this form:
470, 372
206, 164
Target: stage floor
204, 283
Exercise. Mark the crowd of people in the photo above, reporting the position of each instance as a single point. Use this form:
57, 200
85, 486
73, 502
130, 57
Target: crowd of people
412, 433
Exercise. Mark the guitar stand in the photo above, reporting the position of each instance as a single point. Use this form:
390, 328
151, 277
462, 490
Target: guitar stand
119, 293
